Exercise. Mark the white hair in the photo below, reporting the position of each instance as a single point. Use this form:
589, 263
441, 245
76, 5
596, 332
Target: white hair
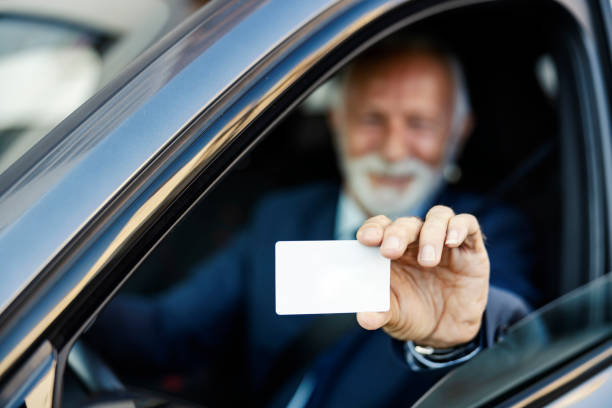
461, 105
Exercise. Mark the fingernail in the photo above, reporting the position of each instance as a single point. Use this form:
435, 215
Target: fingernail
391, 243
428, 253
370, 233
453, 237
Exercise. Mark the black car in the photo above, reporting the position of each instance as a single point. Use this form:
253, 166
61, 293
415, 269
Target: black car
225, 101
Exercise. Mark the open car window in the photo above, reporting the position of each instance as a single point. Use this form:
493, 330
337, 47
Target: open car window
547, 339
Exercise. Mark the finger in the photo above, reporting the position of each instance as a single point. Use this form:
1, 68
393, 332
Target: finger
462, 227
373, 320
433, 235
397, 236
371, 232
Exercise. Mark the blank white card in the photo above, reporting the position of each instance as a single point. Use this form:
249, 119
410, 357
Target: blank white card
330, 277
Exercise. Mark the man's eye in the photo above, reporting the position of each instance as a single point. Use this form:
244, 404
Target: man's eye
372, 119
422, 125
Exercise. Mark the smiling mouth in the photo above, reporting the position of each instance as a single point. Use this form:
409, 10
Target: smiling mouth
385, 180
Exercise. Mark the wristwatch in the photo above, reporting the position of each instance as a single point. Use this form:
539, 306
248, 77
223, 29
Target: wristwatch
424, 357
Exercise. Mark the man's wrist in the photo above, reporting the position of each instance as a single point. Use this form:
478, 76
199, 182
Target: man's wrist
424, 357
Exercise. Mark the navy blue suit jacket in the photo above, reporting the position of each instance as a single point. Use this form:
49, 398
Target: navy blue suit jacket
189, 322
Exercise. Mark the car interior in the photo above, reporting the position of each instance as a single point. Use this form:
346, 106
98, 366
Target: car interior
527, 150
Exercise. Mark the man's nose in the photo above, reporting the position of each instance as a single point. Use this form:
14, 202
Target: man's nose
395, 146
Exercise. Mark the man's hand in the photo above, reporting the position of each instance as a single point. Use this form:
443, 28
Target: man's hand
439, 277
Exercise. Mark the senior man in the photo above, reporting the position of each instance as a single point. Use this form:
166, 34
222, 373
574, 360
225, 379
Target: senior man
401, 117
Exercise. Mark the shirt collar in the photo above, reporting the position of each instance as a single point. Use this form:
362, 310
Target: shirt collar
349, 217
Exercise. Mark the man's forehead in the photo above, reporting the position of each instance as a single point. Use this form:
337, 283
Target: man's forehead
401, 76
400, 67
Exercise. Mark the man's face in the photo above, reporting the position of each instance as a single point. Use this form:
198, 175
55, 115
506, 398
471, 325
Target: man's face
395, 130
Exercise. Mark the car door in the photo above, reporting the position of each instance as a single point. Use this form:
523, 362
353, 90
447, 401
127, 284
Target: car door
112, 179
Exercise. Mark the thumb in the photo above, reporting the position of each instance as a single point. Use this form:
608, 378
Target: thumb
373, 320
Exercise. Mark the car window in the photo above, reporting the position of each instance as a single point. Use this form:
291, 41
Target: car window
546, 339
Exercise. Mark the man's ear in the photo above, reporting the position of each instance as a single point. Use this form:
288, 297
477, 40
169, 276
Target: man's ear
333, 119
466, 130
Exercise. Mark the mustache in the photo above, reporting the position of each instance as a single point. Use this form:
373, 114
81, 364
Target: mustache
373, 163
